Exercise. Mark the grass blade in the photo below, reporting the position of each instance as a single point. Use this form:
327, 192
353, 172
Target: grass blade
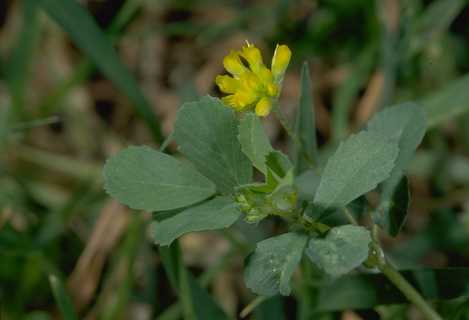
447, 103
305, 126
62, 299
197, 304
86, 34
18, 66
349, 90
434, 21
83, 70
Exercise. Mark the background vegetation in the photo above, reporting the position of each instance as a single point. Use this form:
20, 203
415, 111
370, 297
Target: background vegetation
68, 101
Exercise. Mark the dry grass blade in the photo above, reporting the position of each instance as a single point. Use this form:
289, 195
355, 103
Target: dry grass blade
369, 102
106, 233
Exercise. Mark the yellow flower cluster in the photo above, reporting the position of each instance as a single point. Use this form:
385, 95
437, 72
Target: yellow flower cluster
253, 85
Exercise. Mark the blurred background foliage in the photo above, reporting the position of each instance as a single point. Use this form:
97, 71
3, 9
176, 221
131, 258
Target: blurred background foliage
68, 101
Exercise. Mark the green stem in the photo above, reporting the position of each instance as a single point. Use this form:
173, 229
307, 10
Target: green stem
399, 281
409, 291
350, 216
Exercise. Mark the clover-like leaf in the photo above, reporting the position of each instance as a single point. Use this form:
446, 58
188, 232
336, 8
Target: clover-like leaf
307, 183
207, 134
392, 211
342, 250
254, 142
358, 165
405, 123
272, 264
146, 179
218, 213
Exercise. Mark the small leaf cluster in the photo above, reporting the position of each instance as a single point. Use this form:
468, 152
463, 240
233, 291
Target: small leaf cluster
212, 187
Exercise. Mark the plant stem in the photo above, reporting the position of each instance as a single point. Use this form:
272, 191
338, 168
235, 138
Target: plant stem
399, 281
350, 216
252, 305
409, 291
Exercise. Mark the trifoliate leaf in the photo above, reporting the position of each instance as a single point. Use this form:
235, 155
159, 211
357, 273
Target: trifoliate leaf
207, 133
272, 264
342, 250
307, 183
254, 142
405, 123
218, 213
392, 212
357, 166
146, 179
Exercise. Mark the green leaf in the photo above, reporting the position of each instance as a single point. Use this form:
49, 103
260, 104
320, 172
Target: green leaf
279, 173
392, 213
357, 166
278, 163
448, 102
146, 179
269, 185
206, 131
307, 183
218, 213
63, 300
305, 126
254, 142
272, 264
405, 123
342, 250
85, 33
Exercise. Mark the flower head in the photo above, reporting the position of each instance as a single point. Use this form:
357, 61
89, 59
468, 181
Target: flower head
253, 86
280, 60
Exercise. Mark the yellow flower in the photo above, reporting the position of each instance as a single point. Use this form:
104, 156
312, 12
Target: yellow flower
253, 86
280, 61
253, 57
263, 107
227, 84
233, 64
